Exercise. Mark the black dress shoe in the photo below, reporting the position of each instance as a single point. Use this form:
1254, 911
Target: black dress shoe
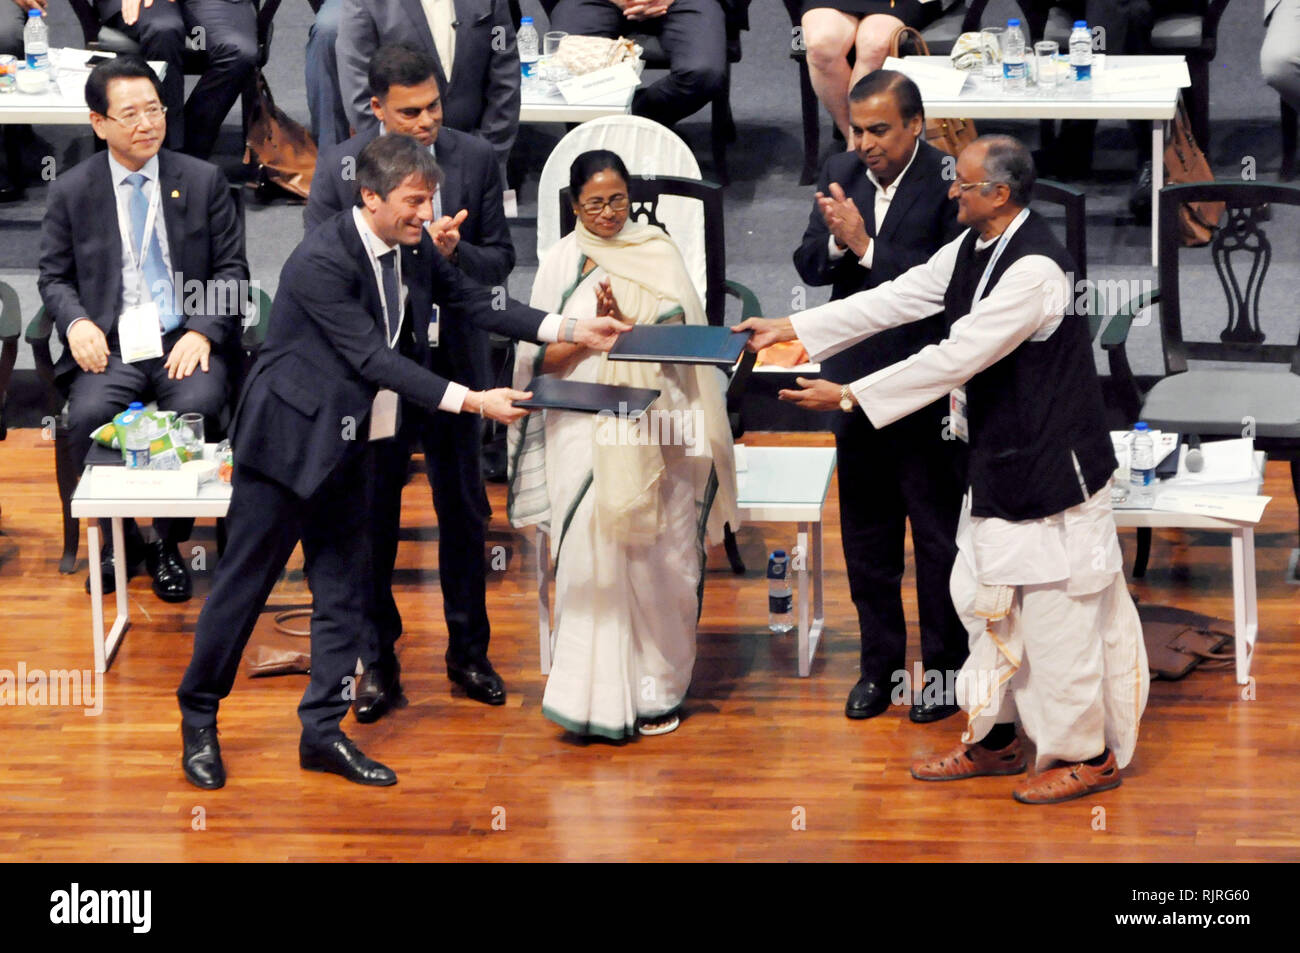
867, 699
136, 556
345, 759
480, 681
927, 712
171, 580
378, 691
201, 757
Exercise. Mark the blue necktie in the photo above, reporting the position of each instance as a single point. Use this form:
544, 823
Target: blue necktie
156, 278
392, 297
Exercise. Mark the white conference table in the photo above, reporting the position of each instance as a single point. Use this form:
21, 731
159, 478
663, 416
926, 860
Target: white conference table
535, 108
1244, 601
64, 103
979, 100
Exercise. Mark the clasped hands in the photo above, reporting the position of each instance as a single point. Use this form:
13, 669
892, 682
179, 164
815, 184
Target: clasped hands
813, 394
844, 221
642, 9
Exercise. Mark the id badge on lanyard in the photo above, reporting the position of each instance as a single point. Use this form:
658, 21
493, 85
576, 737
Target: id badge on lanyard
139, 326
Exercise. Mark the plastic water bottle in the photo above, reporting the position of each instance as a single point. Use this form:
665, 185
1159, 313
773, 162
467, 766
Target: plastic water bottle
1142, 467
36, 41
136, 434
780, 600
528, 47
1013, 59
1081, 53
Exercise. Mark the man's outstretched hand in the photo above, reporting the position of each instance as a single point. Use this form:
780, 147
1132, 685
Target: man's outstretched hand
600, 333
767, 331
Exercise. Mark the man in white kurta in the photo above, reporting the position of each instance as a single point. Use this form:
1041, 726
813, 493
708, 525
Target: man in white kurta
1055, 639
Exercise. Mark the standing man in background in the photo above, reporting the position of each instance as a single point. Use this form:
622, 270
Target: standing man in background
879, 211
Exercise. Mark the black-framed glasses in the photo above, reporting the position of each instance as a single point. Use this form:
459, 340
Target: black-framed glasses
617, 203
131, 120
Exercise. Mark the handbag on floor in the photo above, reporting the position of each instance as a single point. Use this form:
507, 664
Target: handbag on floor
280, 147
1186, 163
1179, 641
946, 135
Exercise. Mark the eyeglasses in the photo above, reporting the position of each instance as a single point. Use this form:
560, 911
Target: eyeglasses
965, 187
131, 120
616, 203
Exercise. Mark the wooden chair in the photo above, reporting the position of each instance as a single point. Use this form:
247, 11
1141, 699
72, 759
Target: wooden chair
646, 193
1218, 401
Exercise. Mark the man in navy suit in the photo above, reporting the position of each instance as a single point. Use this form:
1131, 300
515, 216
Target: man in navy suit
349, 333
97, 262
880, 210
473, 44
469, 230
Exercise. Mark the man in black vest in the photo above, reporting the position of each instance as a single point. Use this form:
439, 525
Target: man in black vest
1055, 639
880, 210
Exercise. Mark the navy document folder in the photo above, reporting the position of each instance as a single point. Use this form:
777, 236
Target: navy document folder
680, 344
553, 393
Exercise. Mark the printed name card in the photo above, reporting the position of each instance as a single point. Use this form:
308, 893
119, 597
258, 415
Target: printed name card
1129, 79
123, 483
1241, 508
601, 84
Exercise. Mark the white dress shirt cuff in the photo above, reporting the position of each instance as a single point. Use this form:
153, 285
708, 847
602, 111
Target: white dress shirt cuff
548, 331
833, 251
869, 255
453, 398
84, 317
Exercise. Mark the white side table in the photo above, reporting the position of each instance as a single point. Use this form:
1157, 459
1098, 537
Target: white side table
213, 500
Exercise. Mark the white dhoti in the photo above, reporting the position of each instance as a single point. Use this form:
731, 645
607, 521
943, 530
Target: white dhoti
1063, 653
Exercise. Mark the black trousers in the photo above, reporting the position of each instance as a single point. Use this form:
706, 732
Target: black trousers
266, 520
451, 454
227, 30
903, 472
693, 34
95, 399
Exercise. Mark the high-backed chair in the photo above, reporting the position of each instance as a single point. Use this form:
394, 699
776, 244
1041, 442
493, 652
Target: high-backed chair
1239, 393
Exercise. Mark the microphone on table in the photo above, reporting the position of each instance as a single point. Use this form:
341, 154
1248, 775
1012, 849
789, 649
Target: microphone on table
1195, 460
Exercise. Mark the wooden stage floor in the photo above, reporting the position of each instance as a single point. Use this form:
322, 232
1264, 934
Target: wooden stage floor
764, 767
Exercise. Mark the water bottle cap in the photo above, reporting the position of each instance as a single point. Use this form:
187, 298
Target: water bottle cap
1141, 427
524, 20
1013, 22
778, 554
135, 405
33, 13
1081, 24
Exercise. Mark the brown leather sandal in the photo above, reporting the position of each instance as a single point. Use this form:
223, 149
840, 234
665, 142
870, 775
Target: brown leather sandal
972, 761
1069, 781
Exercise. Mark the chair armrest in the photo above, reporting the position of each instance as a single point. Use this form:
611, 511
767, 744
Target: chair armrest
254, 331
38, 334
1116, 333
11, 318
1210, 22
749, 306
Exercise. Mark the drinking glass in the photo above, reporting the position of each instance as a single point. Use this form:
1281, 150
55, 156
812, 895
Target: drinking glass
1045, 66
991, 47
551, 69
191, 431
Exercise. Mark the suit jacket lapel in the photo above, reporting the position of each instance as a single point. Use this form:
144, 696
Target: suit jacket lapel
415, 13
452, 188
357, 252
913, 183
103, 208
174, 199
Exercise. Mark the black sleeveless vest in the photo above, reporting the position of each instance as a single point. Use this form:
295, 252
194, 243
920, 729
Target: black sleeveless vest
1038, 405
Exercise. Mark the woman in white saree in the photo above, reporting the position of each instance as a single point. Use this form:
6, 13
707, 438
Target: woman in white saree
627, 516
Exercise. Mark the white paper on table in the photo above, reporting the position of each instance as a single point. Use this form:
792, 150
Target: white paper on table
127, 483
1136, 78
1225, 461
1227, 506
742, 458
936, 80
600, 83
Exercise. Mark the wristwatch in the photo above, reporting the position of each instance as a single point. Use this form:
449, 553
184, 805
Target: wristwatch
846, 399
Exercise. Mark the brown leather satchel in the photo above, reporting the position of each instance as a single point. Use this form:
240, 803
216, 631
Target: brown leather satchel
1178, 641
946, 135
1186, 163
281, 148
276, 649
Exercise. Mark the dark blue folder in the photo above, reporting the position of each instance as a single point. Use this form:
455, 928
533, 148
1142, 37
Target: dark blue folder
680, 344
553, 393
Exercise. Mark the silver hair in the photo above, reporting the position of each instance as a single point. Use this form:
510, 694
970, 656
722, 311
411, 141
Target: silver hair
1008, 161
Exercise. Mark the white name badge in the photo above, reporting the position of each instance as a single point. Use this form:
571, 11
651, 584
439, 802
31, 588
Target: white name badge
957, 414
434, 314
139, 333
383, 415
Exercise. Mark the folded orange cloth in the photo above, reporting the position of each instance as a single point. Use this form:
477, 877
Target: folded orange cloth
785, 354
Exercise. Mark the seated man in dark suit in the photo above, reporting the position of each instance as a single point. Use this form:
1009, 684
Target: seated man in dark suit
129, 230
881, 210
349, 333
473, 43
469, 229
228, 32
693, 34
